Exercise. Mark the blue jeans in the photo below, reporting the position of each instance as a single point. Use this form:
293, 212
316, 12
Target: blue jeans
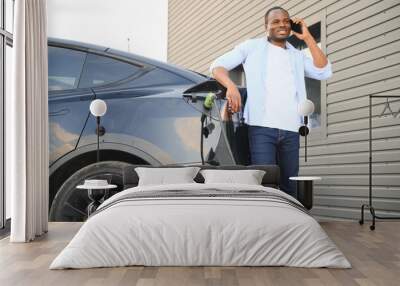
277, 147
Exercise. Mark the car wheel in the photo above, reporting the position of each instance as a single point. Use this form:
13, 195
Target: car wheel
70, 203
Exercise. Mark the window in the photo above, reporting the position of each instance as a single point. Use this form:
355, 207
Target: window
6, 42
101, 70
65, 68
313, 87
157, 77
237, 75
9, 18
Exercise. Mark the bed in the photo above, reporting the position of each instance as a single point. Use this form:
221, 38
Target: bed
201, 224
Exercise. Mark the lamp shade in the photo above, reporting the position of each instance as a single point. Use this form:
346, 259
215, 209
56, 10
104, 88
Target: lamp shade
98, 107
306, 108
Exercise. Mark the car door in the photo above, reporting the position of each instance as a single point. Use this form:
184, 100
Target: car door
109, 76
68, 104
147, 117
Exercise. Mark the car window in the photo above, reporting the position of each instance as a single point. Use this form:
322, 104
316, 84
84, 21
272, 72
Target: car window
65, 67
100, 70
159, 77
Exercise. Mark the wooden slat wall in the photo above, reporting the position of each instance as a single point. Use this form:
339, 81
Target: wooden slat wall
363, 44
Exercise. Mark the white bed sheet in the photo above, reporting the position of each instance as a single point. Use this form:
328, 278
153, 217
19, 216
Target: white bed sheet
200, 231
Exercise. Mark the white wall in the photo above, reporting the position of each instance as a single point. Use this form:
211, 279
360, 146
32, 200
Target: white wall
110, 22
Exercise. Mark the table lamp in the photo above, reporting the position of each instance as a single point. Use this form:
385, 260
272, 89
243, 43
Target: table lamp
98, 108
305, 109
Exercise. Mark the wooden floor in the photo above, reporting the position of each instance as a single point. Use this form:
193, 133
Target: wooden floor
375, 257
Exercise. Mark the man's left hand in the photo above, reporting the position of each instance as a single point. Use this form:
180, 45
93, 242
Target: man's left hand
305, 32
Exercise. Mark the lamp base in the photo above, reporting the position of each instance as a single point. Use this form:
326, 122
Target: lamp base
100, 131
303, 130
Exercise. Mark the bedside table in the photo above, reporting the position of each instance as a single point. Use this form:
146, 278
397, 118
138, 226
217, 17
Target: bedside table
305, 190
96, 194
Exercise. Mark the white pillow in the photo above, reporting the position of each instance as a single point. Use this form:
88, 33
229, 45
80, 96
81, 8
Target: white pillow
162, 176
249, 177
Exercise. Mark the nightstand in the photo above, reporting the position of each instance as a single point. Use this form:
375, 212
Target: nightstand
96, 194
305, 190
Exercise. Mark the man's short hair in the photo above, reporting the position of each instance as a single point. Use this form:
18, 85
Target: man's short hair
272, 9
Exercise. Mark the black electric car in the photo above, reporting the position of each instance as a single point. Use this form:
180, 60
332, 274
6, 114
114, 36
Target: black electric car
154, 113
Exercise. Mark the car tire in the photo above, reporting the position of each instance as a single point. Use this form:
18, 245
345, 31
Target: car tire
70, 203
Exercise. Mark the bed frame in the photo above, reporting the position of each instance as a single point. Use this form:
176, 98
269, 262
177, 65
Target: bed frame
270, 179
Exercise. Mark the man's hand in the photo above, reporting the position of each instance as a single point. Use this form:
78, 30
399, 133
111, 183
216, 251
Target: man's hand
232, 92
305, 35
234, 99
319, 58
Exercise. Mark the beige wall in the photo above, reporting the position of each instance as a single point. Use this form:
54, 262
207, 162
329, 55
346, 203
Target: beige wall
362, 40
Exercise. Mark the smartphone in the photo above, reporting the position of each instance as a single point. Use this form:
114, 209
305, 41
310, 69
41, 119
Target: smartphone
295, 27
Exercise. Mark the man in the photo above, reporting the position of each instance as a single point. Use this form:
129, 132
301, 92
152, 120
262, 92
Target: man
275, 73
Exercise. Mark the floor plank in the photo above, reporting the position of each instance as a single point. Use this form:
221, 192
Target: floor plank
374, 255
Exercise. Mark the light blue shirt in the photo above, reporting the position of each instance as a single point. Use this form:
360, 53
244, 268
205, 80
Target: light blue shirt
253, 54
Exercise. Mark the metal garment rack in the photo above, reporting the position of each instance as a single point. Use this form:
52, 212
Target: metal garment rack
369, 205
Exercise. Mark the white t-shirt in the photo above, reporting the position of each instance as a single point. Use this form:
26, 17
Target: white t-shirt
280, 102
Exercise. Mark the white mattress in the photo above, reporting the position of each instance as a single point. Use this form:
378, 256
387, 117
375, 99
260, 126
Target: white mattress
182, 231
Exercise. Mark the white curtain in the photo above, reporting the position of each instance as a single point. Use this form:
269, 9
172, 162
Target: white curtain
27, 123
